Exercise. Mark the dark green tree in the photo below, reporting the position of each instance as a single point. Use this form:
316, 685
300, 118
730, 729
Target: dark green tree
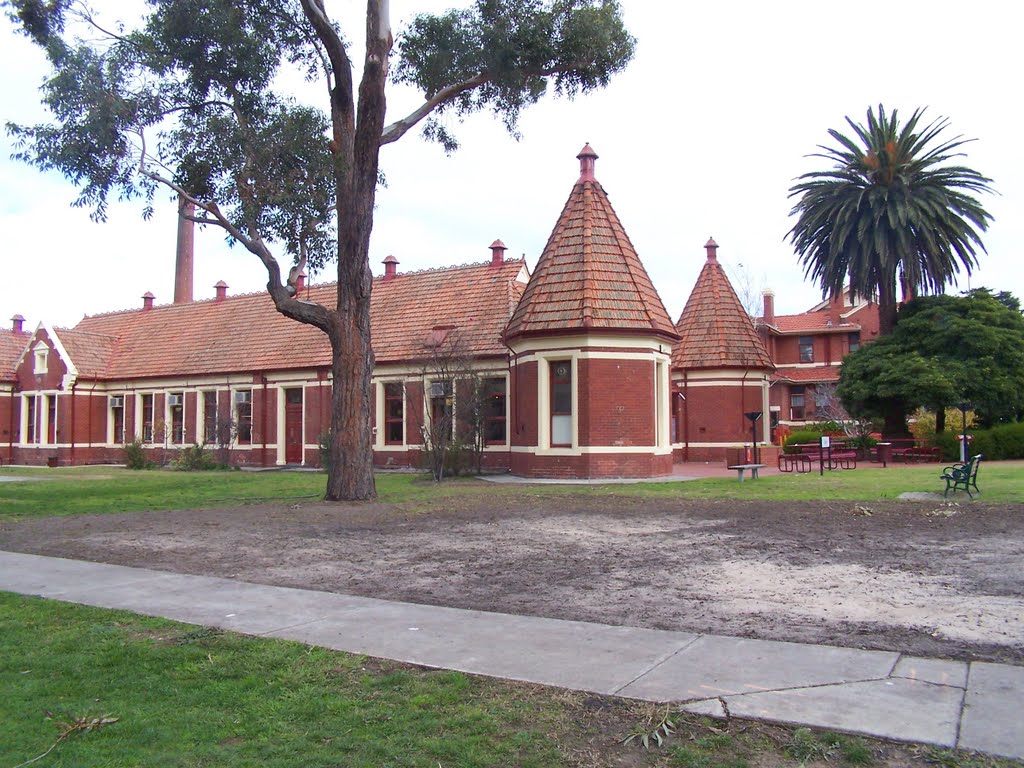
944, 350
893, 208
191, 100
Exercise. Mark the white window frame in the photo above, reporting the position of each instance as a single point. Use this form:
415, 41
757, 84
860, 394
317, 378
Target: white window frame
41, 354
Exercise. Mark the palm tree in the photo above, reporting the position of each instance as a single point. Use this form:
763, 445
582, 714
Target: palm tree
890, 207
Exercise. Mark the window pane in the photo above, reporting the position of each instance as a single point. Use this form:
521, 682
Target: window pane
210, 417
561, 430
561, 398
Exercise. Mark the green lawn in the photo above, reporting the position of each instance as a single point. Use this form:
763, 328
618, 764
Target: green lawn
110, 489
185, 696
170, 695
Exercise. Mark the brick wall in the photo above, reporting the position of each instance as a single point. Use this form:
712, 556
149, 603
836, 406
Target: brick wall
601, 465
616, 402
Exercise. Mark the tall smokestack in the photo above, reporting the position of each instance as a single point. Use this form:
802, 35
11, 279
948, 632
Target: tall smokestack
186, 247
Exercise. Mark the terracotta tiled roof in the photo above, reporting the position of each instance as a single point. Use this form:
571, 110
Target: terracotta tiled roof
811, 322
714, 329
90, 352
807, 375
589, 276
474, 300
245, 333
11, 346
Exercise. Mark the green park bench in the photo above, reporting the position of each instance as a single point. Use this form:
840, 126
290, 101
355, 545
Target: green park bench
962, 476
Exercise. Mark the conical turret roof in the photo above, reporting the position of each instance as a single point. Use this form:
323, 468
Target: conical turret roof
714, 329
589, 277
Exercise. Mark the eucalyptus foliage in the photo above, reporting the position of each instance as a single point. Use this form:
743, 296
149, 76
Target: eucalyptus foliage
195, 100
893, 206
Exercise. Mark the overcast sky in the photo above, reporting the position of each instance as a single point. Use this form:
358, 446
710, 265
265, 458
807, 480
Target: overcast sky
701, 137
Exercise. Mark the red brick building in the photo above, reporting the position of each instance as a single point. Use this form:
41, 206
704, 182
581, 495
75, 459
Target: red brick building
720, 370
583, 371
807, 350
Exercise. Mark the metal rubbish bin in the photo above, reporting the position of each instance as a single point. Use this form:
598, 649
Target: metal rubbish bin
884, 453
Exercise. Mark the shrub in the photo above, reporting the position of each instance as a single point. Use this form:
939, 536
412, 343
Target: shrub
135, 456
864, 442
801, 436
825, 428
1002, 442
195, 458
1005, 441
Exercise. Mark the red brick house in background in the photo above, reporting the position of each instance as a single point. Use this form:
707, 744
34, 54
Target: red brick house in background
585, 374
808, 349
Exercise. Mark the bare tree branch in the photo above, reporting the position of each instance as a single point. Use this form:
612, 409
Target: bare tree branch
399, 128
305, 312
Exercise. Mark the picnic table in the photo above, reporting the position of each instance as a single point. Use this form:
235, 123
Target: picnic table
914, 451
838, 458
741, 468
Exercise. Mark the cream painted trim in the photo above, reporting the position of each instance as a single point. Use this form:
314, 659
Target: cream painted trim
589, 450
662, 403
727, 383
810, 365
23, 421
682, 446
40, 355
569, 344
583, 355
391, 371
281, 415
719, 375
379, 436
250, 388
544, 400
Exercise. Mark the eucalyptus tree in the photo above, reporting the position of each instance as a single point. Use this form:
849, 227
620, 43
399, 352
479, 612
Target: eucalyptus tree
893, 207
194, 99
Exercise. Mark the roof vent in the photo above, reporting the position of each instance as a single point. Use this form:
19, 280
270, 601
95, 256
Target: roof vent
222, 290
712, 249
497, 253
390, 267
587, 157
16, 323
147, 301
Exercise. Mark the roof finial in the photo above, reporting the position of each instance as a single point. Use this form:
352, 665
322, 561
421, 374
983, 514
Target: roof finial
587, 156
712, 248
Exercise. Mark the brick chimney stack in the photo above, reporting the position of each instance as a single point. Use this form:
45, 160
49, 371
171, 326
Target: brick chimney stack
185, 252
587, 157
300, 283
222, 290
497, 253
769, 308
147, 301
712, 250
390, 268
17, 324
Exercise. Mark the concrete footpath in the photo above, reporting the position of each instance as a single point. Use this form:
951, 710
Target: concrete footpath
973, 706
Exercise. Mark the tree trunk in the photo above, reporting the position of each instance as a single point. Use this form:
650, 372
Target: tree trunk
940, 420
350, 475
895, 420
887, 306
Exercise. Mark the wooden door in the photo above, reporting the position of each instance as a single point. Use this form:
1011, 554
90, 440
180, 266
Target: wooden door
293, 426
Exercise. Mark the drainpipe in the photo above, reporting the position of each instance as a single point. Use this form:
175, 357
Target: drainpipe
263, 422
10, 426
74, 397
686, 415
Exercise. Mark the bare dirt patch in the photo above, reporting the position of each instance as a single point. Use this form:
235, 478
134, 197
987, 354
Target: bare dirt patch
919, 577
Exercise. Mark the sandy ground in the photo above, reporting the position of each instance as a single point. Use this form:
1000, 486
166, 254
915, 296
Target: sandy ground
927, 578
